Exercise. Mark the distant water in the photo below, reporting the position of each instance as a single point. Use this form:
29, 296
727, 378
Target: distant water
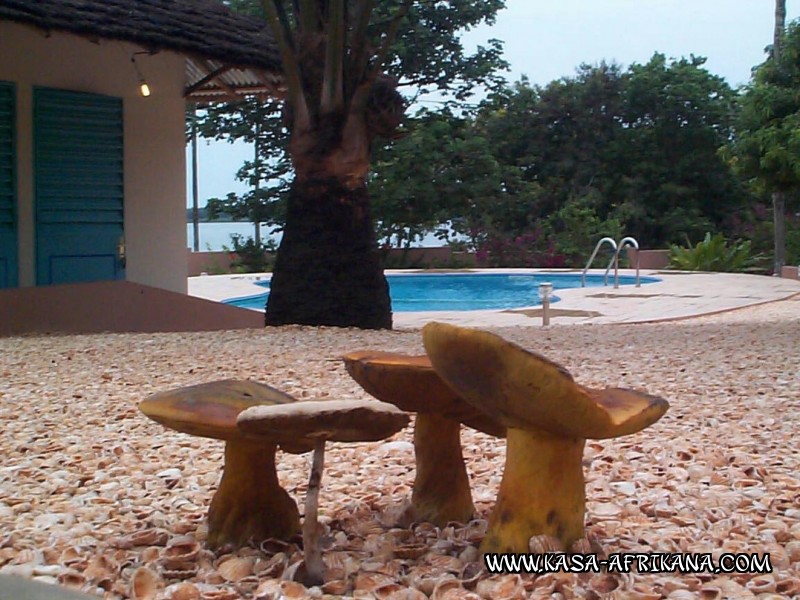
213, 236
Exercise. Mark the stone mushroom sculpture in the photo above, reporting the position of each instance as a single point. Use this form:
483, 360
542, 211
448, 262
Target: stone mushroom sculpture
548, 416
441, 491
249, 501
316, 422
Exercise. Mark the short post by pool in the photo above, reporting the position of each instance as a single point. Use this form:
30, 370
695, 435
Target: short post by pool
545, 291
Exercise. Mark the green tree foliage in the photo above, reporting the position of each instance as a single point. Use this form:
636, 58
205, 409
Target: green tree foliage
554, 168
677, 116
256, 122
443, 171
766, 149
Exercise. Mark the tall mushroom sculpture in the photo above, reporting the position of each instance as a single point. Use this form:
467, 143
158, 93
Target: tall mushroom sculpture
316, 422
441, 491
549, 417
249, 501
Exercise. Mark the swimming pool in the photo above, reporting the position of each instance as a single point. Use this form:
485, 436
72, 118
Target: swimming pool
413, 292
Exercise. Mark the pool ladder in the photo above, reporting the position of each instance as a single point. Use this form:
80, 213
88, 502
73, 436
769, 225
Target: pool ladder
626, 242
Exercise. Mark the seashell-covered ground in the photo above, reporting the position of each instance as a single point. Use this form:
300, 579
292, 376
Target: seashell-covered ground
95, 496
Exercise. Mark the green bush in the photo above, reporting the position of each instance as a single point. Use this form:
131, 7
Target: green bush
250, 257
714, 254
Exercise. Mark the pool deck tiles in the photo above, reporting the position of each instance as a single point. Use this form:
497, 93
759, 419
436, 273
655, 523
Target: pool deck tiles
678, 295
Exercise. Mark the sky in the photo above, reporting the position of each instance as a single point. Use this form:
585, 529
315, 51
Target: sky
548, 39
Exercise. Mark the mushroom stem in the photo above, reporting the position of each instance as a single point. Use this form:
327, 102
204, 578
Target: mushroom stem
542, 492
250, 501
314, 572
441, 488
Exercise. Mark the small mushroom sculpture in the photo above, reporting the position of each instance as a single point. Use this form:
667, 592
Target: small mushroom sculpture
316, 422
549, 417
249, 501
441, 491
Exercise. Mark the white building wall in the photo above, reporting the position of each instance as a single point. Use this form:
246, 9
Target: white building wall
154, 156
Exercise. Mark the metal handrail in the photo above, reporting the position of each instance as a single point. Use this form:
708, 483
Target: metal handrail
591, 259
625, 242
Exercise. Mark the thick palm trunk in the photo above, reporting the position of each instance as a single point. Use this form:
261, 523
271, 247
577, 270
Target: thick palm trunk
328, 270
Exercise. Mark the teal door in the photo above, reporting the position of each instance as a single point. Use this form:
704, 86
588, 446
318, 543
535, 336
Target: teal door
8, 196
78, 177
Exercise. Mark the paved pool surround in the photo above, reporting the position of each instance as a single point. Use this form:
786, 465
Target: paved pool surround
678, 295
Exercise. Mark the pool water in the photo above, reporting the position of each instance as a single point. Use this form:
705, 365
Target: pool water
465, 291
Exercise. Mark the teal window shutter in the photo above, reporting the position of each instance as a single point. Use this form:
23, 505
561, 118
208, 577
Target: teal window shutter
78, 173
8, 186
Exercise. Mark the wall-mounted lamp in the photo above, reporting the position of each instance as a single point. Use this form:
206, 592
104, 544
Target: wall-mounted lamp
144, 89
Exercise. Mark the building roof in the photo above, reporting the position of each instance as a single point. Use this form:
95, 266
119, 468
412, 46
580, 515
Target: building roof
227, 53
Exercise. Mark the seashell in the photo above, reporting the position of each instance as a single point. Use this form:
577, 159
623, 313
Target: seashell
469, 554
179, 552
394, 569
682, 595
144, 584
370, 581
471, 574
552, 583
272, 546
639, 591
220, 594
342, 562
47, 570
474, 531
50, 554
268, 590
72, 579
385, 591
143, 537
788, 586
366, 528
723, 588
450, 589
603, 584
236, 568
761, 584
542, 544
404, 594
151, 554
444, 563
273, 566
180, 572
7, 554
336, 587
425, 578
101, 567
503, 587
70, 555
182, 591
273, 589
605, 510
30, 557
409, 551
580, 546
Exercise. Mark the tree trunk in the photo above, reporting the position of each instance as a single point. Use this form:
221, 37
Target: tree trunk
779, 221
780, 25
328, 269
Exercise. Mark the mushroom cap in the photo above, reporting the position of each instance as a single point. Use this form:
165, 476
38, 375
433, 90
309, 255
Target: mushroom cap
524, 390
210, 409
412, 385
331, 420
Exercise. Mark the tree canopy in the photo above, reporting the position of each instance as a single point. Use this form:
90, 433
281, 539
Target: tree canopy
603, 152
